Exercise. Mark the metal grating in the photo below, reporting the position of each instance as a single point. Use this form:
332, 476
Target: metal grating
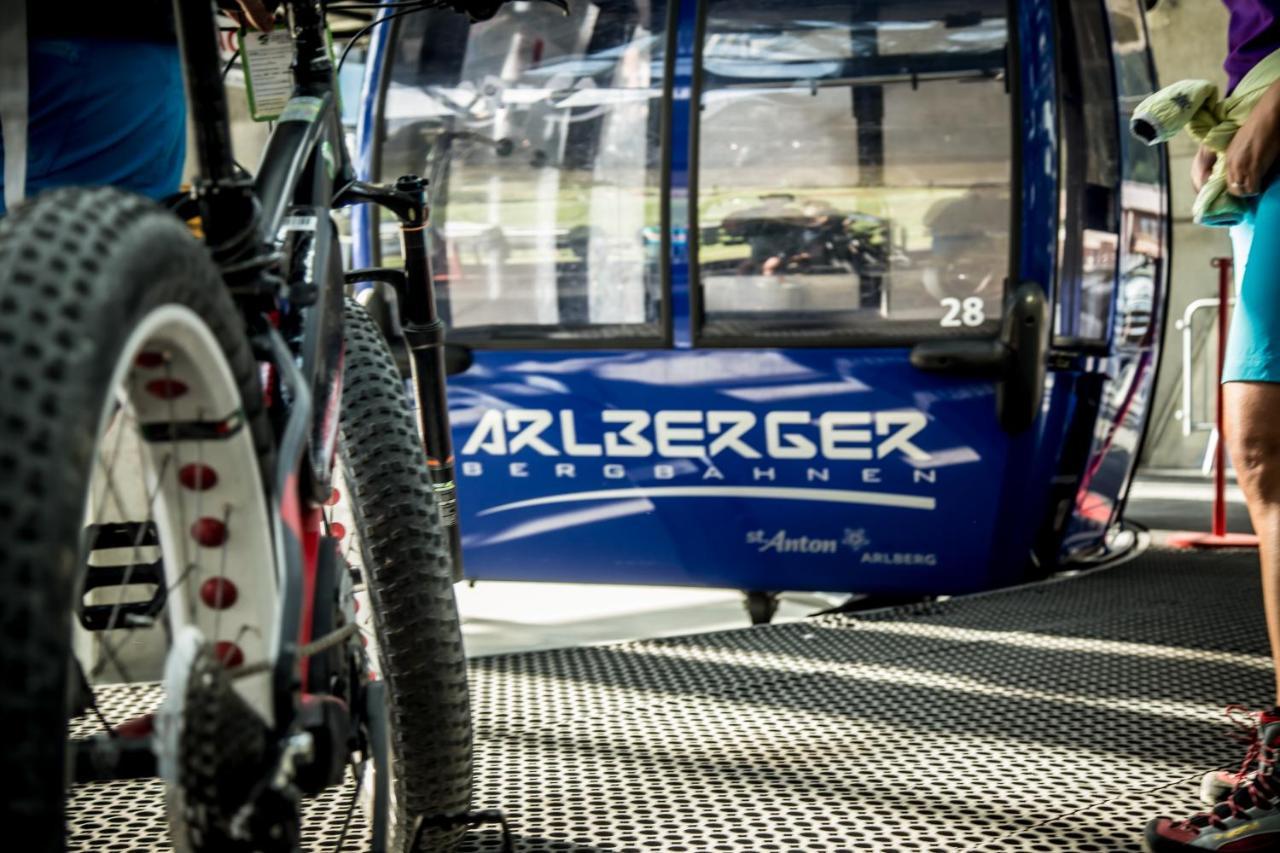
130, 816
1052, 718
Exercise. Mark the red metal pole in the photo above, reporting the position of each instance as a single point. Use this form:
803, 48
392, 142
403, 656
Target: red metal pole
1219, 538
1220, 454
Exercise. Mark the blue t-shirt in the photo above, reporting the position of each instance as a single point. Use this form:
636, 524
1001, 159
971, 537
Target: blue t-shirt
104, 112
1254, 34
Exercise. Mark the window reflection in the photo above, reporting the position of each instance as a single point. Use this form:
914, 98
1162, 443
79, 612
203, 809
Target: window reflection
854, 167
1143, 200
540, 134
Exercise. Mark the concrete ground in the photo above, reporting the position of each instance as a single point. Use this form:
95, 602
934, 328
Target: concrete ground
1166, 501
501, 617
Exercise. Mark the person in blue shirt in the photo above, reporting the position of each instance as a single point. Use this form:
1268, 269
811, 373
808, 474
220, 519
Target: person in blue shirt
105, 100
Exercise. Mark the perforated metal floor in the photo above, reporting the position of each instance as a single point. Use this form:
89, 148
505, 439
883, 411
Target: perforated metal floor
1053, 718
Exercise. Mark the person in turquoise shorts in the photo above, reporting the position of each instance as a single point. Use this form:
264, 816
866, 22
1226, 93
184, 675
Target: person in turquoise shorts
1246, 814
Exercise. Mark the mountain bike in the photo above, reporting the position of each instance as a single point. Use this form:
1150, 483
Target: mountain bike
230, 565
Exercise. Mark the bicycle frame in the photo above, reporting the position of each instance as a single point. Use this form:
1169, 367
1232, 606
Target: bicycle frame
277, 248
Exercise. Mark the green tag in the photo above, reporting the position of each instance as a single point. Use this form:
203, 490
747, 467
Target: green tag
267, 59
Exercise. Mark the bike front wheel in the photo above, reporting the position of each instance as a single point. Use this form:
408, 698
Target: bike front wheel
396, 546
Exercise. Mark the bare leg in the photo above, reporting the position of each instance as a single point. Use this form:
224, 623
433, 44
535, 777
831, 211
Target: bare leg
1253, 439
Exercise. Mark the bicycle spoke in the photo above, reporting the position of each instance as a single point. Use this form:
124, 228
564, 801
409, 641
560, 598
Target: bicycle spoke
111, 655
98, 510
93, 698
111, 649
182, 504
102, 718
222, 574
351, 805
137, 543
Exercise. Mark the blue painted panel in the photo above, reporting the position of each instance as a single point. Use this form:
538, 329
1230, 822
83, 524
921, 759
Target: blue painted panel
362, 214
1035, 452
1037, 55
680, 140
802, 469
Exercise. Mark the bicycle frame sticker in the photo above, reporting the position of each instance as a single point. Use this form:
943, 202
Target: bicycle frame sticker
268, 78
303, 109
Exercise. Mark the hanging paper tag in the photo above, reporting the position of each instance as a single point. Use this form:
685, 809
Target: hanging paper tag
267, 58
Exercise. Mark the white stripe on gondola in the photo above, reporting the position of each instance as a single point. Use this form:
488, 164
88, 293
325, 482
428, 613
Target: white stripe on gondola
779, 493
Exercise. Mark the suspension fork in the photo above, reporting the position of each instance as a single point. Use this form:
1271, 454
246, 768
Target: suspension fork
423, 332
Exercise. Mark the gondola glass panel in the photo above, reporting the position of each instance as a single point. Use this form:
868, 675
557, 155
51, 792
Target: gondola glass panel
540, 133
854, 170
1088, 233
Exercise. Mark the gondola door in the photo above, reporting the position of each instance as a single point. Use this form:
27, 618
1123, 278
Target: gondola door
872, 280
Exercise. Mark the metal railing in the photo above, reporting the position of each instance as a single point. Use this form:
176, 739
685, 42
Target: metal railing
1197, 415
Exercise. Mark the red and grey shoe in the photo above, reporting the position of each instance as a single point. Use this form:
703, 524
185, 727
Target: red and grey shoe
1217, 785
1248, 820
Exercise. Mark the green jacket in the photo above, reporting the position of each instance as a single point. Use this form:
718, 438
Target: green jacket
1212, 121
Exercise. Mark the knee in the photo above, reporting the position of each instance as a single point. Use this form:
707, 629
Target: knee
1256, 458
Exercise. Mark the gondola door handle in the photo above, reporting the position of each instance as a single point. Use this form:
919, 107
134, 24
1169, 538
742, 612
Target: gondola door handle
1016, 360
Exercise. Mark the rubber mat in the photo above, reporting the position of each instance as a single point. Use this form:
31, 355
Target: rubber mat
1058, 717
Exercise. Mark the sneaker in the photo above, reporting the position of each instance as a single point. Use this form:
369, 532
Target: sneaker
1248, 820
1217, 785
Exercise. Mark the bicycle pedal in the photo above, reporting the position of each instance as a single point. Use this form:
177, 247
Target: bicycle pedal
471, 820
120, 614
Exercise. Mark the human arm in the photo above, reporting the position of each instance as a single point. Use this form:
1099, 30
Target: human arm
1255, 147
253, 13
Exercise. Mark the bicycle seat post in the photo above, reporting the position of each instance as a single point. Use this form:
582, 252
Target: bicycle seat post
226, 198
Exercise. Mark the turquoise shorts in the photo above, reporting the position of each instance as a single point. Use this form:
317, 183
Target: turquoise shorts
1253, 346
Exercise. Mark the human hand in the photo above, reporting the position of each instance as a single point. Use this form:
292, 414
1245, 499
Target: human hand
1255, 147
253, 13
1202, 166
